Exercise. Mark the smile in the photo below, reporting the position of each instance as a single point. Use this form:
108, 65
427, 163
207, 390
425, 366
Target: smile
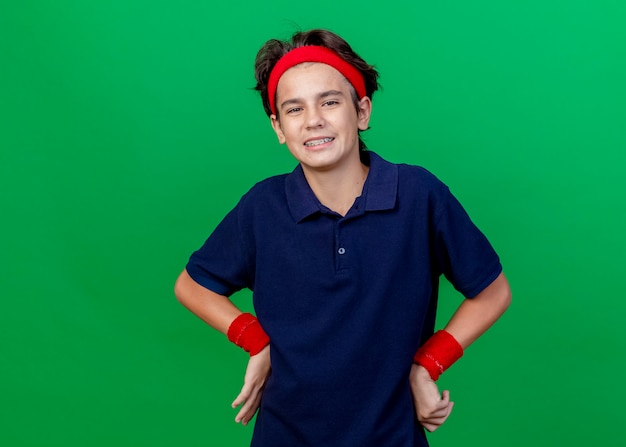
318, 142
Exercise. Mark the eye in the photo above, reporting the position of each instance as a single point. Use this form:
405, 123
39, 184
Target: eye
294, 110
331, 102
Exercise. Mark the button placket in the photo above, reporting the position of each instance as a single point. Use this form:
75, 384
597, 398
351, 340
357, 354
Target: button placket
341, 251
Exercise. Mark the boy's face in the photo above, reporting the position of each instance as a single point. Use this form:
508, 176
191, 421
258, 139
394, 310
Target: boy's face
318, 120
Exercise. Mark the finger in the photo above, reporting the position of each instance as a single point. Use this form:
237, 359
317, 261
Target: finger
240, 399
430, 427
245, 408
248, 410
437, 421
243, 396
438, 415
442, 412
440, 408
432, 423
445, 396
253, 409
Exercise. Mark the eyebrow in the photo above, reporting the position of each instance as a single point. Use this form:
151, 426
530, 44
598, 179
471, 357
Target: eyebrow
322, 95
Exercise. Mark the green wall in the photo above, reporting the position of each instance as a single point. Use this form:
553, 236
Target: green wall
128, 129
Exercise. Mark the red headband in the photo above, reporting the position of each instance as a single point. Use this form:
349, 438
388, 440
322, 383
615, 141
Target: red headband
313, 53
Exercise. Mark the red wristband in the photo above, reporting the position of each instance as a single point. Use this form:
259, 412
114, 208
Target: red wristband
438, 353
246, 332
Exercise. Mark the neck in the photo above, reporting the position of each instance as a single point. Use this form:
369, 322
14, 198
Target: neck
337, 189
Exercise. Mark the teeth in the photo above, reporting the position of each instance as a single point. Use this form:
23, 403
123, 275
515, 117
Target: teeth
318, 142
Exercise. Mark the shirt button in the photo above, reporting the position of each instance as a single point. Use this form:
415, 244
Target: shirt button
341, 251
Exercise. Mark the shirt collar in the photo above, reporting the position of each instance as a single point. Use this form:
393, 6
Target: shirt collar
379, 192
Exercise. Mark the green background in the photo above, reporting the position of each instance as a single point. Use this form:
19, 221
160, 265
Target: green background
129, 128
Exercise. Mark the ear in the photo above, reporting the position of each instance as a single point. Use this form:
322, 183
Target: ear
277, 129
364, 113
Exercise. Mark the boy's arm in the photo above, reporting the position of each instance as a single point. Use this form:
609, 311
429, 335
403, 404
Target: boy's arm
214, 309
219, 312
473, 317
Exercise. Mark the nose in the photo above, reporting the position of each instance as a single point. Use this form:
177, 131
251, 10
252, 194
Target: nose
314, 118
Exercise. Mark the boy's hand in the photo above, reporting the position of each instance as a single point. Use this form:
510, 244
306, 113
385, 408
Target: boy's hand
432, 408
256, 375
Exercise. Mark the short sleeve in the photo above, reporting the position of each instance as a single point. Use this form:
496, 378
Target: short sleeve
223, 263
464, 254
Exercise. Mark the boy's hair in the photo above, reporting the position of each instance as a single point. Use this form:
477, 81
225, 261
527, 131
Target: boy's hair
274, 49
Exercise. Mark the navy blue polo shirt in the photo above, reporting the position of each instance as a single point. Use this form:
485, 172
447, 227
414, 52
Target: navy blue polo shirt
346, 301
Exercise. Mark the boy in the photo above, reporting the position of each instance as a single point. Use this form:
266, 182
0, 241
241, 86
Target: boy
343, 256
